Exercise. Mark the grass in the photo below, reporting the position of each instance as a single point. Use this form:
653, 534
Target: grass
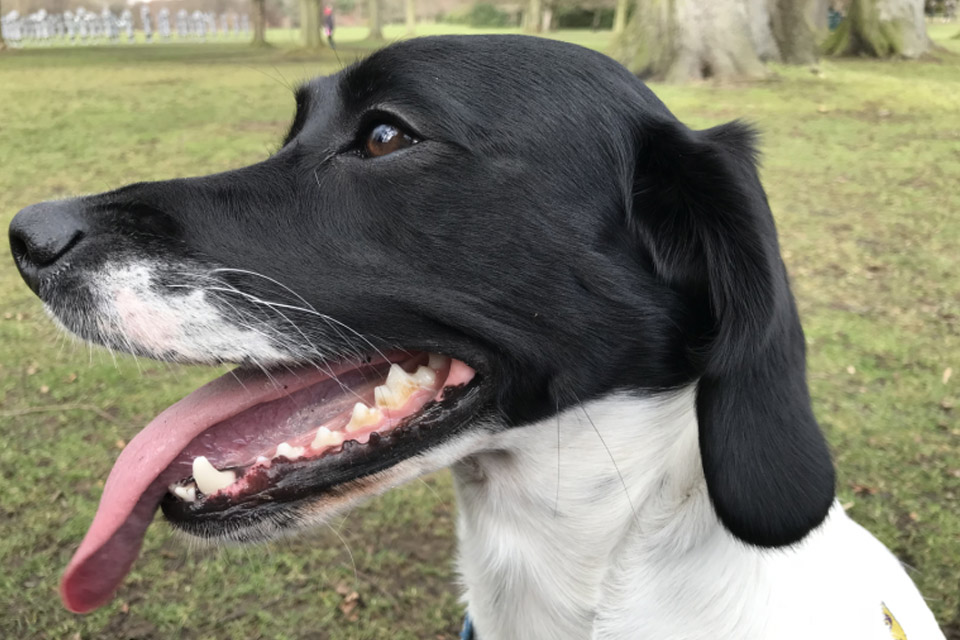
860, 163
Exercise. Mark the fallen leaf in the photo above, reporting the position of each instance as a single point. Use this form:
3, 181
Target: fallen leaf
851, 369
863, 490
70, 378
350, 602
120, 444
946, 375
44, 389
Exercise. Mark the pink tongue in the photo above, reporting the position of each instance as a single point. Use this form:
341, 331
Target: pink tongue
135, 488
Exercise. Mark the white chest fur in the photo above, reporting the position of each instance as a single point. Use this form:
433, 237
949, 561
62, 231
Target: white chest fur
597, 524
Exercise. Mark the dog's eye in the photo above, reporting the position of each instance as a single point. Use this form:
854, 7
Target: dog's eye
386, 138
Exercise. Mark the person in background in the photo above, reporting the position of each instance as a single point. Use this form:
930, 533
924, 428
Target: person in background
328, 24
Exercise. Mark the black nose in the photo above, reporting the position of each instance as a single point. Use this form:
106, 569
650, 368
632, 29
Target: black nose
44, 233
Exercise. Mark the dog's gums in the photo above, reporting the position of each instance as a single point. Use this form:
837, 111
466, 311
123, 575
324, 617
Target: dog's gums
312, 430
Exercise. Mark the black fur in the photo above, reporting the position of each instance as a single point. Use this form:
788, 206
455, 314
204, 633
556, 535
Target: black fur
556, 227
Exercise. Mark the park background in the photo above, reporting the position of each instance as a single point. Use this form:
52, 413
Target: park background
861, 158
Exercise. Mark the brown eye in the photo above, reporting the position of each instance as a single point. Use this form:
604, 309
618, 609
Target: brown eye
386, 138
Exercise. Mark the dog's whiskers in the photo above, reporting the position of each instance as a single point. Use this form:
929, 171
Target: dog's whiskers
307, 308
616, 467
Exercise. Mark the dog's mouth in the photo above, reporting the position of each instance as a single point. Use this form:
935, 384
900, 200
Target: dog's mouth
252, 445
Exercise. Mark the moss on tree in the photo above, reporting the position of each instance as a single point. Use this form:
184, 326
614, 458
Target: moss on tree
867, 32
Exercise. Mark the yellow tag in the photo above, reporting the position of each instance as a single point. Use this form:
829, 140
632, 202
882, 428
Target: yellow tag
896, 631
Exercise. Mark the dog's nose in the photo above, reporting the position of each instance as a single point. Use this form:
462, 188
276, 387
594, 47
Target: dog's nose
42, 234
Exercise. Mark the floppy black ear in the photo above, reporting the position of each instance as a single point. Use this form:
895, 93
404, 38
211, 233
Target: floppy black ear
701, 211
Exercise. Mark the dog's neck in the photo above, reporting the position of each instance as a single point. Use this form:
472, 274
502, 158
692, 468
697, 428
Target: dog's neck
566, 520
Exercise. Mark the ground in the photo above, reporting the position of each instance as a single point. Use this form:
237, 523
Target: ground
860, 162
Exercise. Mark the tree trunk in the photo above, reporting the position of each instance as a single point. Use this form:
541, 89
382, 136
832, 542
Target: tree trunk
793, 30
881, 29
259, 22
376, 25
761, 28
547, 23
817, 15
620, 16
3, 45
310, 23
682, 40
411, 7
533, 18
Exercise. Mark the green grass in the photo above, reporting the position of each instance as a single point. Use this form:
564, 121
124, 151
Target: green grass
861, 165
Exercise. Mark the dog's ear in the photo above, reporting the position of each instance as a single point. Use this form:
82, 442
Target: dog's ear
703, 216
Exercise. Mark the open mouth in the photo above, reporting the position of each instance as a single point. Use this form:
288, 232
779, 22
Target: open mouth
249, 444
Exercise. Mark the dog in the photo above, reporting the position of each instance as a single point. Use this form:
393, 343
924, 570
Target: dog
503, 255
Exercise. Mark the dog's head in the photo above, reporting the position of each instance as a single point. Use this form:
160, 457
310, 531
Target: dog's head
459, 236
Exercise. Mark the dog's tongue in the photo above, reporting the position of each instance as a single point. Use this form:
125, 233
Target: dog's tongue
137, 483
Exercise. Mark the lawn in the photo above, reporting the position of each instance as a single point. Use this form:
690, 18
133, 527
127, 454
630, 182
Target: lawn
861, 163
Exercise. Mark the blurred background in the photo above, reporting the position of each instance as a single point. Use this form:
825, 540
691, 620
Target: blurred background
858, 103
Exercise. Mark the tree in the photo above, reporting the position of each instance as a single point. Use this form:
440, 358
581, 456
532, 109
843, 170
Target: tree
411, 11
881, 29
533, 17
310, 23
620, 16
376, 20
682, 40
793, 24
259, 23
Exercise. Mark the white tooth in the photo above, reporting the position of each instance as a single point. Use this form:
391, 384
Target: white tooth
383, 397
187, 494
326, 438
425, 377
398, 379
208, 478
289, 452
262, 459
437, 361
363, 416
398, 388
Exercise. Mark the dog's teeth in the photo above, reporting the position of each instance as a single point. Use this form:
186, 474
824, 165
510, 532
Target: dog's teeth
437, 361
187, 494
425, 377
287, 451
262, 459
208, 478
383, 397
400, 382
326, 438
400, 385
362, 417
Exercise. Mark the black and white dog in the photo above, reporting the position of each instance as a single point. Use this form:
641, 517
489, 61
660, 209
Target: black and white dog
504, 255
